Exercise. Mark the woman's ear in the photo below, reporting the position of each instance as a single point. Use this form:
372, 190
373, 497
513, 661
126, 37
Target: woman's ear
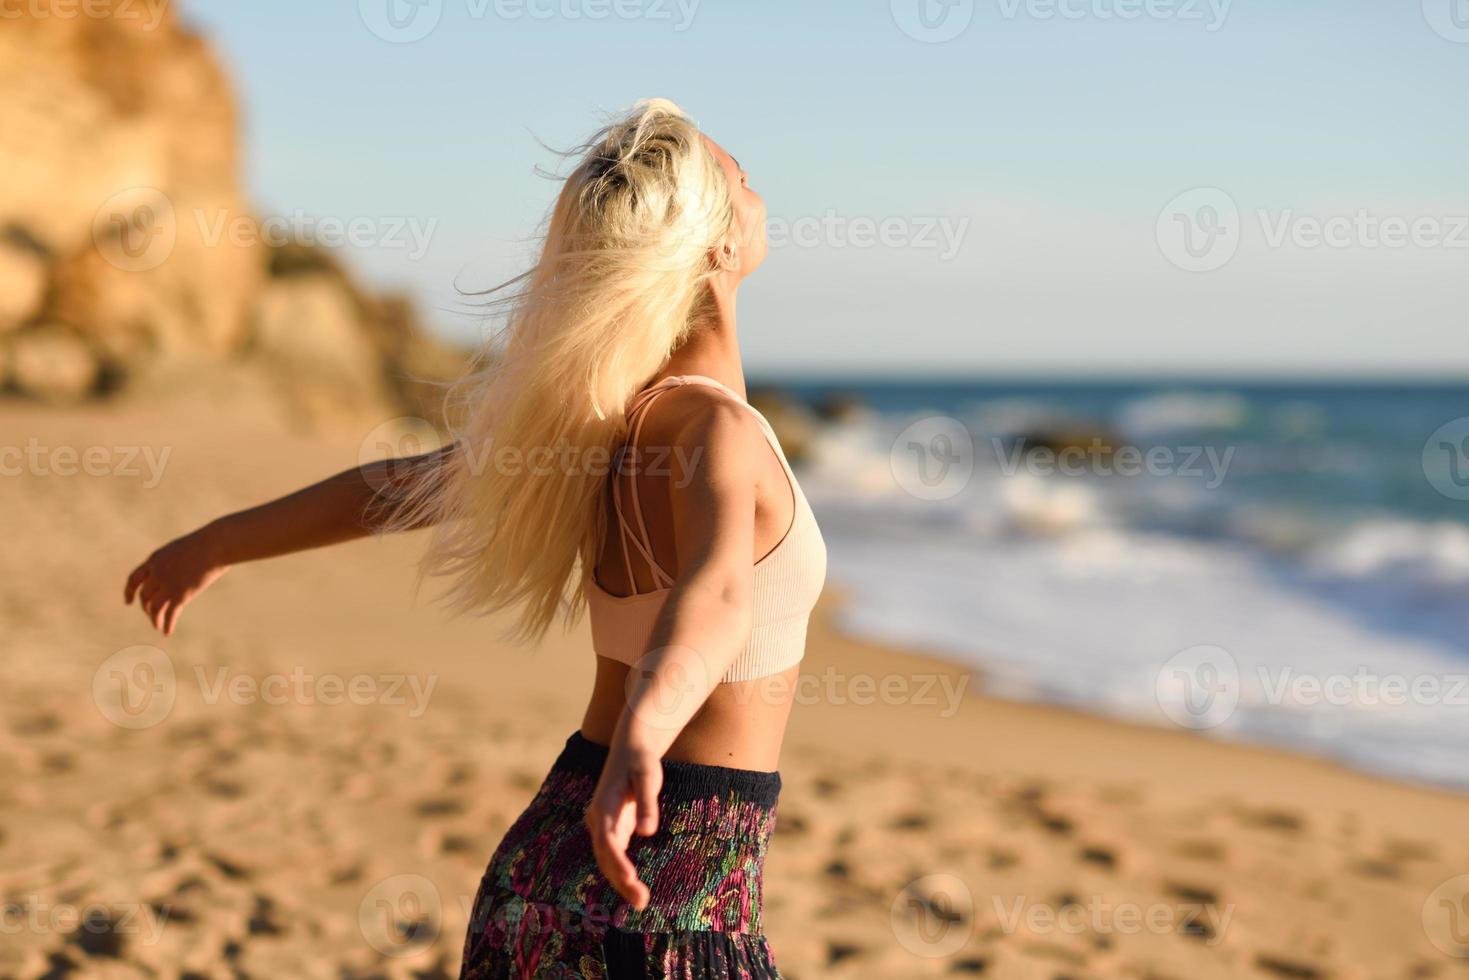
726, 257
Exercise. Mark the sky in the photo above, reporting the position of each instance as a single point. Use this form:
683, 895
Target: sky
1093, 187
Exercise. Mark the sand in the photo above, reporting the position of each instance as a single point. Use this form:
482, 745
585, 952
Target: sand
307, 779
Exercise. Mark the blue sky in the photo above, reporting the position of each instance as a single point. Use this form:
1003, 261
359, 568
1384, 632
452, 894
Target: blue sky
1007, 199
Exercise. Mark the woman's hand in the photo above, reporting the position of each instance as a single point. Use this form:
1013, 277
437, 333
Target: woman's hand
171, 577
625, 801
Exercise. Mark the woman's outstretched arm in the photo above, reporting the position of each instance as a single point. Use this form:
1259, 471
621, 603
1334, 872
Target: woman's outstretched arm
350, 505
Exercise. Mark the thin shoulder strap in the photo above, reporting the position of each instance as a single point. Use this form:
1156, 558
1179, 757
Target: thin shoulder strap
760, 418
636, 413
639, 537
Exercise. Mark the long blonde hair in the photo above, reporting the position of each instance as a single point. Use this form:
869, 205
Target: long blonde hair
621, 281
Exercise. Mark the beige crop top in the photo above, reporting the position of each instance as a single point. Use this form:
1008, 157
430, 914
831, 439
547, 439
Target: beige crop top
788, 579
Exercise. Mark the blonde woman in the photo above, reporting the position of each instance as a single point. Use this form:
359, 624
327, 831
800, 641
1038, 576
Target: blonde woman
608, 460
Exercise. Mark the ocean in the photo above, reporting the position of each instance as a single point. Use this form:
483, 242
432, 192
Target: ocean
1271, 562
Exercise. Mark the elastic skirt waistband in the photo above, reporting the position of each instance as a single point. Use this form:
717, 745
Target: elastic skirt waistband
681, 780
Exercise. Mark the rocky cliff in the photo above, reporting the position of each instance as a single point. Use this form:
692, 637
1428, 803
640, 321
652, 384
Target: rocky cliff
119, 147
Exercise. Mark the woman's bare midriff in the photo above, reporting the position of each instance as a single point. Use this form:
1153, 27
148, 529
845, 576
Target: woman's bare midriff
741, 725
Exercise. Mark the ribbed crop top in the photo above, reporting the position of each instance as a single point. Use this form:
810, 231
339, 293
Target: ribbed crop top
788, 579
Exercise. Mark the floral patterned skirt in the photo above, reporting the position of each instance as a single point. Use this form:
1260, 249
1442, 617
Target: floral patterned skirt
544, 910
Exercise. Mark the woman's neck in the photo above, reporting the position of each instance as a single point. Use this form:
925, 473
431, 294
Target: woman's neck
713, 349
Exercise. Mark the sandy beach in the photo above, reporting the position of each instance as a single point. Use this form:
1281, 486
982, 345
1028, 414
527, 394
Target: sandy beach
307, 779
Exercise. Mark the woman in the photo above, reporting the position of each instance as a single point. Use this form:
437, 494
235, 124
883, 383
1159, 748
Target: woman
608, 458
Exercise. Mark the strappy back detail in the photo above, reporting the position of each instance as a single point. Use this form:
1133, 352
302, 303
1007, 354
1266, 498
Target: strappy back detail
638, 536
788, 579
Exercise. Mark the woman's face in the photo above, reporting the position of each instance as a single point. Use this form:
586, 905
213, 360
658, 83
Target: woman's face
747, 236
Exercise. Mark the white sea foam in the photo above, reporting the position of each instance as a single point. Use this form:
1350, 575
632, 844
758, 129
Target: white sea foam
1182, 411
1080, 591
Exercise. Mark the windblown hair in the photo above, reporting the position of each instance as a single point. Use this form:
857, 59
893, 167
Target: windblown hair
621, 281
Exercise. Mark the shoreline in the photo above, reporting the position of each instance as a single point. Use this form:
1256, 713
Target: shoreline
836, 598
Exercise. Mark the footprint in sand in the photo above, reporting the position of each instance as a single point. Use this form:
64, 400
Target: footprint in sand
1281, 821
443, 806
1099, 855
1201, 850
1279, 966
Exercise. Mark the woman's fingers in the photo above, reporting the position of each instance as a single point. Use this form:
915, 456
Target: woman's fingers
645, 787
160, 609
135, 580
618, 868
174, 608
